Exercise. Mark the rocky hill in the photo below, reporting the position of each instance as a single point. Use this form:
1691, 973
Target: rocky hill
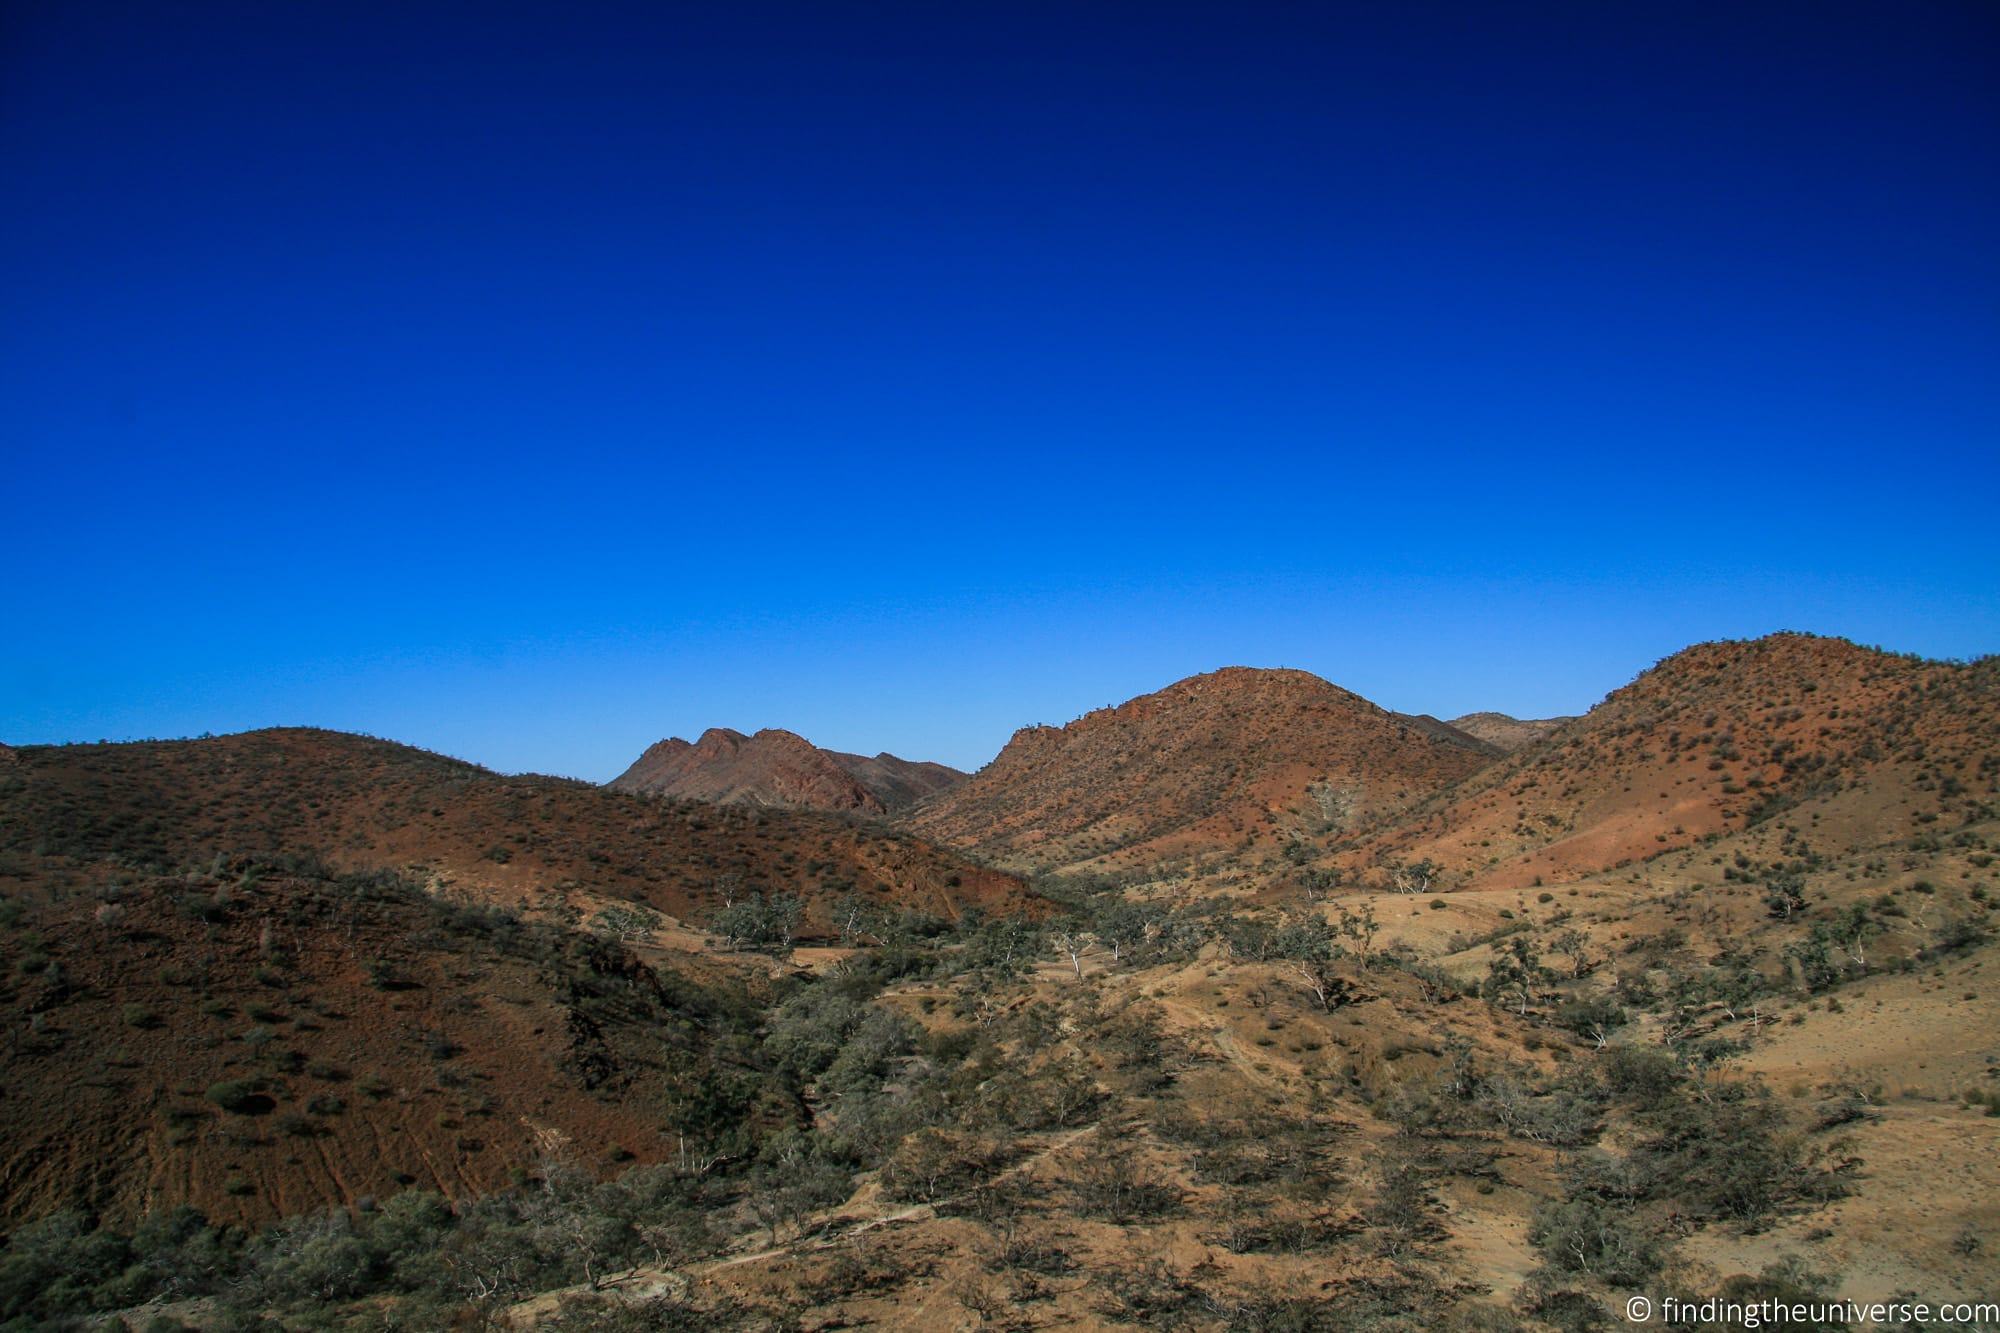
356, 803
1507, 733
780, 768
1224, 765
1867, 746
896, 783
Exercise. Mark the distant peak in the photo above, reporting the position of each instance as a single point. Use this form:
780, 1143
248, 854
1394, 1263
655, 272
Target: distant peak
1249, 675
779, 767
779, 736
721, 740
1503, 730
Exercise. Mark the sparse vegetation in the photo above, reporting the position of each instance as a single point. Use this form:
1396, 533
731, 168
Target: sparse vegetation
1313, 1076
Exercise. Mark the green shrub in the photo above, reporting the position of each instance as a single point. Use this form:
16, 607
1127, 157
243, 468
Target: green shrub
1591, 1016
758, 922
235, 1095
1731, 1156
1588, 1236
1642, 1075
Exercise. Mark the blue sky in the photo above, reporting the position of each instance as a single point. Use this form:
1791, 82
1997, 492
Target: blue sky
531, 382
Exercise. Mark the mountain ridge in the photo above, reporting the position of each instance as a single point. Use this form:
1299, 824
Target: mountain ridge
1711, 740
361, 803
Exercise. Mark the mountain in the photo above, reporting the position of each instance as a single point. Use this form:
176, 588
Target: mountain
779, 768
898, 783
357, 803
1859, 745
1227, 765
1507, 733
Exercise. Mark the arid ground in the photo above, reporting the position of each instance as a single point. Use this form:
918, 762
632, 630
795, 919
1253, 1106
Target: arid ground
1245, 1004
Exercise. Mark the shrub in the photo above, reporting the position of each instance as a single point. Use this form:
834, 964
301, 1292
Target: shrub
1640, 1074
793, 1180
809, 1028
1057, 1095
1785, 894
1960, 933
933, 1163
235, 1095
1730, 1157
1107, 1185
625, 921
1152, 1295
1586, 1235
1402, 1210
50, 1267
877, 1044
759, 923
1591, 1016
1789, 1282
1283, 1235
297, 1125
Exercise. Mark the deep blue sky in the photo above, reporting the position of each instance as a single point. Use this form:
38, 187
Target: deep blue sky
531, 382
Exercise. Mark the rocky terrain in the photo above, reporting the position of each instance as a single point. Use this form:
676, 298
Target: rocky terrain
261, 1039
1306, 1016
